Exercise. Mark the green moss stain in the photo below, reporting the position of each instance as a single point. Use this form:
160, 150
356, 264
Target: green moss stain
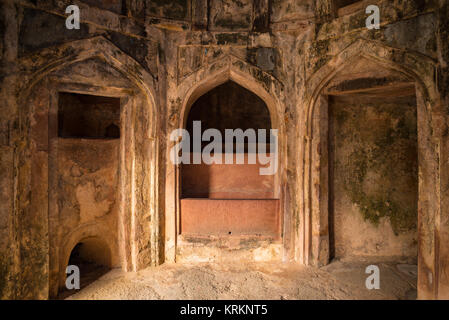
378, 161
319, 53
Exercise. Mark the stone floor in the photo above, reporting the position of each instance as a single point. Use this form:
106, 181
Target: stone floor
343, 279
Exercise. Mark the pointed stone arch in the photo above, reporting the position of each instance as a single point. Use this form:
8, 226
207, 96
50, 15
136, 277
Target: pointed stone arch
208, 77
314, 242
244, 74
140, 155
418, 67
40, 64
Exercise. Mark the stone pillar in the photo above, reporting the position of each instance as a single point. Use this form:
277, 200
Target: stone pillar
428, 203
320, 184
8, 133
443, 223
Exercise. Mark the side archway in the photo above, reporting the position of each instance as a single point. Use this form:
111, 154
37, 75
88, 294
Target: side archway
61, 70
314, 233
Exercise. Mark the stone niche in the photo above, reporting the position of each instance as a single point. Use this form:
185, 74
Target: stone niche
81, 114
230, 203
87, 174
373, 164
374, 175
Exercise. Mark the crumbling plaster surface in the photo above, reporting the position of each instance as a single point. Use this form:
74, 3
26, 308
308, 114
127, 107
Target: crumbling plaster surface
173, 51
374, 175
87, 191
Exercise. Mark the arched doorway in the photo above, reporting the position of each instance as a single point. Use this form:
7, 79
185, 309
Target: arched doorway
222, 201
372, 147
228, 106
92, 256
377, 122
57, 89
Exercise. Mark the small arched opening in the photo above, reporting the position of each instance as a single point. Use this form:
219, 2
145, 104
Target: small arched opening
93, 258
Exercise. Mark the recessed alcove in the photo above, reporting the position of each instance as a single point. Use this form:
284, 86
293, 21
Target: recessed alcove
88, 116
92, 257
373, 163
86, 182
235, 199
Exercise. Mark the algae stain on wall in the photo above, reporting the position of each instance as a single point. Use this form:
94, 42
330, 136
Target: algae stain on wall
376, 169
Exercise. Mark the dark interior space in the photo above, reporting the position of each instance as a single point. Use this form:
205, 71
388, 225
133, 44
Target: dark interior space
88, 116
229, 106
92, 257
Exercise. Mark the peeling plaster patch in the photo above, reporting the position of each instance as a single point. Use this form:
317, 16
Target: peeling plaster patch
90, 208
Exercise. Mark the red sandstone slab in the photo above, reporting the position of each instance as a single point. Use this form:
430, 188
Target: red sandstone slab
230, 217
226, 181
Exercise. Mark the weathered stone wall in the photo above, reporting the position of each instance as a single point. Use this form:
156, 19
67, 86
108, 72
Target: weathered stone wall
285, 51
87, 195
443, 88
332, 48
88, 116
374, 176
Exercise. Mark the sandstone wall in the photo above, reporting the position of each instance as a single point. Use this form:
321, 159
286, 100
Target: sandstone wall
285, 51
374, 176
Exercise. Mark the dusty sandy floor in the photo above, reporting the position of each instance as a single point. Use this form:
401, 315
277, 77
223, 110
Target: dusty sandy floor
339, 280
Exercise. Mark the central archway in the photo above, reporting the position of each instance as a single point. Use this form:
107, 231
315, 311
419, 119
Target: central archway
229, 199
216, 247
